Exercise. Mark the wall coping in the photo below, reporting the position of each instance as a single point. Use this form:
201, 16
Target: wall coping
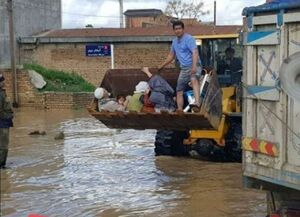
105, 39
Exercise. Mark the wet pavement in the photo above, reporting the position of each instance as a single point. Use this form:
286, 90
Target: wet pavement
96, 171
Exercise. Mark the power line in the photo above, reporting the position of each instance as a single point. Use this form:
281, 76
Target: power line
77, 21
17, 3
88, 15
49, 7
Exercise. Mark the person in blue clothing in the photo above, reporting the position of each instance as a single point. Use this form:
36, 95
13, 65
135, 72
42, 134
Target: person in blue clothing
184, 48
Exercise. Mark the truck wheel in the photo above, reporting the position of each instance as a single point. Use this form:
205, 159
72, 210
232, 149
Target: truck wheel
170, 142
270, 203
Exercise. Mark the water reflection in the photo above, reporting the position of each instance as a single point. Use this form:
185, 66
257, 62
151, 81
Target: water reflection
97, 171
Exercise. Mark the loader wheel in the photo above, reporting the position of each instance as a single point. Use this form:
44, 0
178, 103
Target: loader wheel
233, 141
207, 149
170, 142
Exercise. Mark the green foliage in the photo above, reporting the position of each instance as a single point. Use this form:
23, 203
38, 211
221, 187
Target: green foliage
59, 81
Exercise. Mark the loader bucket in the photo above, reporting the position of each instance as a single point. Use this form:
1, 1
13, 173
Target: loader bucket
123, 81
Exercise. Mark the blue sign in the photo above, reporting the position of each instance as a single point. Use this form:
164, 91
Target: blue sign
97, 50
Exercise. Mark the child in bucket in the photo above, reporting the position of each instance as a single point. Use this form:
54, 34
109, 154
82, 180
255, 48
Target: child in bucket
109, 104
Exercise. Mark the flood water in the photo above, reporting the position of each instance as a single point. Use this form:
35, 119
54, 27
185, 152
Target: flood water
96, 171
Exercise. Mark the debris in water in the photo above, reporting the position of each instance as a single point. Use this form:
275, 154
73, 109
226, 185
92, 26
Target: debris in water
37, 132
59, 136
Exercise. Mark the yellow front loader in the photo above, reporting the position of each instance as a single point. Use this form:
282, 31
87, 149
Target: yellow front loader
223, 143
214, 133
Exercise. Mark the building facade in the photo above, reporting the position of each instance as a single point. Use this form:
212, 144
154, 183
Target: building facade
68, 49
145, 18
155, 17
29, 17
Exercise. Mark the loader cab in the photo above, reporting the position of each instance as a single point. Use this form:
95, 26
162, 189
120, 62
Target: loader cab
225, 55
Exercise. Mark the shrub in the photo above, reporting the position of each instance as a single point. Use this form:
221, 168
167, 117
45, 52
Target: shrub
60, 81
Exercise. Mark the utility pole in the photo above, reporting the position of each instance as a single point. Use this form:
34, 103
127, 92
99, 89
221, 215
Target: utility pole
215, 13
12, 51
121, 14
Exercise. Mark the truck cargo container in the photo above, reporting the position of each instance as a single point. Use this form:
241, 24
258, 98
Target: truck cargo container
271, 105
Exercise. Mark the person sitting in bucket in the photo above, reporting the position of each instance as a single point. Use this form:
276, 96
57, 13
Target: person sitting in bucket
105, 103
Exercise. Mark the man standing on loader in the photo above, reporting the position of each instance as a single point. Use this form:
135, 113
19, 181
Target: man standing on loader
6, 116
184, 48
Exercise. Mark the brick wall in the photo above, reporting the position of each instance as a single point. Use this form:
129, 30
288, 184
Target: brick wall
26, 92
134, 55
66, 100
160, 20
28, 96
132, 22
71, 58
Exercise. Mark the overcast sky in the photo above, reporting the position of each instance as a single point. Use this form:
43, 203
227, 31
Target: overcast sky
105, 13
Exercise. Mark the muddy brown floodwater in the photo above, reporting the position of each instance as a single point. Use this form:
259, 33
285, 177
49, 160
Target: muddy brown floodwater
96, 171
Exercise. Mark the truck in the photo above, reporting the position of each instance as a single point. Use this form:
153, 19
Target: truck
271, 104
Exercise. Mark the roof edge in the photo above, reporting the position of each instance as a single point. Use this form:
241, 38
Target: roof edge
269, 7
47, 40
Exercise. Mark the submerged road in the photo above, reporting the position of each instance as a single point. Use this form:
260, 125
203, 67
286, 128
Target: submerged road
96, 171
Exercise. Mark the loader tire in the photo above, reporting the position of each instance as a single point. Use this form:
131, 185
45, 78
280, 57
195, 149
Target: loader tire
233, 141
207, 149
170, 142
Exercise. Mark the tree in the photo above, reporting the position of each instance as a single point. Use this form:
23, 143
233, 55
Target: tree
89, 26
183, 9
